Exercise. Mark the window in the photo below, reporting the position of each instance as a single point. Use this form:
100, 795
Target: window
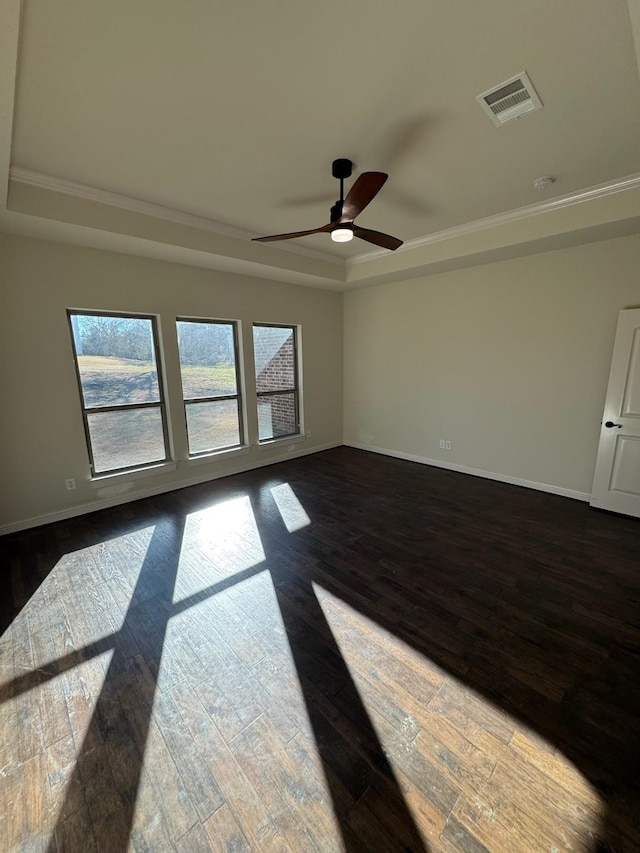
121, 390
275, 355
210, 384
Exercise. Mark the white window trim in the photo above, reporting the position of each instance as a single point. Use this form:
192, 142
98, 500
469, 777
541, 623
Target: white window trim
227, 453
268, 443
101, 480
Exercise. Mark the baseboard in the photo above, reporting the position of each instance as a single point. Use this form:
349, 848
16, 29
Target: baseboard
105, 503
475, 472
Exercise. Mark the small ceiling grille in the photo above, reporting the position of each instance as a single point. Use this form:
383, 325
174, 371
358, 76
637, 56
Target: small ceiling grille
510, 99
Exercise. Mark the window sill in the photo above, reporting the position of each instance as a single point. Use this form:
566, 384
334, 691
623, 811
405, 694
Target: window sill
219, 454
278, 442
101, 480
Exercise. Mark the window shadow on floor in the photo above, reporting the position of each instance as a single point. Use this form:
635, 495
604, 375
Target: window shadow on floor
530, 601
101, 798
110, 761
367, 800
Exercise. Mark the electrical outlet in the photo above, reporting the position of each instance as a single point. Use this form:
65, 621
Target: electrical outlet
442, 444
70, 484
448, 445
308, 434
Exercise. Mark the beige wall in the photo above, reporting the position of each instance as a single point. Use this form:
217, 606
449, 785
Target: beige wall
509, 361
41, 435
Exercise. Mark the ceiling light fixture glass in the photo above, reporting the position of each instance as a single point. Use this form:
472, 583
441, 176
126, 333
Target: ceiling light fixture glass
342, 234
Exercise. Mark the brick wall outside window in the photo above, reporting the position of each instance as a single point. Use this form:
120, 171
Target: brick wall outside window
275, 371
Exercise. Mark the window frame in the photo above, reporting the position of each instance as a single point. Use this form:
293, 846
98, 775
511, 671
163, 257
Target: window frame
296, 379
86, 411
238, 396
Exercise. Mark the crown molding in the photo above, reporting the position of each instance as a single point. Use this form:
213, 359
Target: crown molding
122, 202
589, 194
147, 208
10, 12
634, 15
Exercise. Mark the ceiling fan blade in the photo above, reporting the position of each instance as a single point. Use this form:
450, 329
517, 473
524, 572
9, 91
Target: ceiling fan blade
293, 234
365, 189
377, 237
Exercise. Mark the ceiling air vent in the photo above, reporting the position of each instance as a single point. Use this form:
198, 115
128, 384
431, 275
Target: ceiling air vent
510, 100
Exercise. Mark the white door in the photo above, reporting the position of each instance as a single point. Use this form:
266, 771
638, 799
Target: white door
616, 483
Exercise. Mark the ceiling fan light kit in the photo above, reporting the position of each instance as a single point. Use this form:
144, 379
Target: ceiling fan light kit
341, 226
342, 234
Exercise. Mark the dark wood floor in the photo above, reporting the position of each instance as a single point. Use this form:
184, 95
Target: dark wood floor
343, 652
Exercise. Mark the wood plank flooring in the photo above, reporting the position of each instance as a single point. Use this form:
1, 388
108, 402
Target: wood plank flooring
344, 652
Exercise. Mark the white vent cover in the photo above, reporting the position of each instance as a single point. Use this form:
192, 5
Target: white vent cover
510, 99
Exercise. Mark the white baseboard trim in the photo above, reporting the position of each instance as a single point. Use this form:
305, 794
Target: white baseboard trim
105, 503
475, 472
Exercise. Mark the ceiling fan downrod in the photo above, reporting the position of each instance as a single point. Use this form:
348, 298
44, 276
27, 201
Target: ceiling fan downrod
341, 169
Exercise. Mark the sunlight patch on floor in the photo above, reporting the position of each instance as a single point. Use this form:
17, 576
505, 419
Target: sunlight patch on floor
53, 660
291, 510
43, 730
507, 786
219, 542
84, 597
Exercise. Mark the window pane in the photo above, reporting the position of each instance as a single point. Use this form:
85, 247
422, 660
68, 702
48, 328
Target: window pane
212, 426
274, 358
116, 360
122, 439
276, 415
207, 359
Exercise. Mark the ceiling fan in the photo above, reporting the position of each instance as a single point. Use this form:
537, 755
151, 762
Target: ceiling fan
342, 226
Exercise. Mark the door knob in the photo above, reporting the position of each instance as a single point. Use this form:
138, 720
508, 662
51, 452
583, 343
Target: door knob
610, 424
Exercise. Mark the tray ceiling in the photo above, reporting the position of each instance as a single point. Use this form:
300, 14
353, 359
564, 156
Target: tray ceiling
233, 112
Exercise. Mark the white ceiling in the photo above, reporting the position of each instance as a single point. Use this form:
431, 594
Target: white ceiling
233, 111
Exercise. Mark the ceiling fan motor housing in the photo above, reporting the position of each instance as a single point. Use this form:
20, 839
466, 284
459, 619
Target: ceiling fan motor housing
336, 211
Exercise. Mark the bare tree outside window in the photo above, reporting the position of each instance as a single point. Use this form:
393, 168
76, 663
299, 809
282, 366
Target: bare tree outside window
210, 384
120, 389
